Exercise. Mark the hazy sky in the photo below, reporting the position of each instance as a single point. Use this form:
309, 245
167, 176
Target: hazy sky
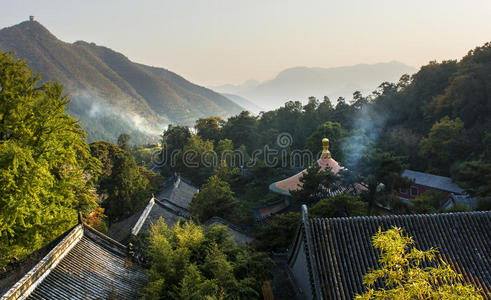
213, 42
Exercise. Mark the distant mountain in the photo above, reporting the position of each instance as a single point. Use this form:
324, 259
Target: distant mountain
110, 93
301, 82
236, 89
243, 102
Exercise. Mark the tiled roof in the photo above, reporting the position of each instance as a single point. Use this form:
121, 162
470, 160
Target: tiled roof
293, 183
85, 264
155, 210
238, 234
433, 181
178, 192
339, 250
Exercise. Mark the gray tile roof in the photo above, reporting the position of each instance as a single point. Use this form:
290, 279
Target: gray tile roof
339, 250
153, 212
238, 234
178, 191
433, 181
85, 264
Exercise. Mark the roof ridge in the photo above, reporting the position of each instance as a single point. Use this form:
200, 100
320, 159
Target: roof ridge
32, 278
228, 223
162, 204
105, 238
408, 215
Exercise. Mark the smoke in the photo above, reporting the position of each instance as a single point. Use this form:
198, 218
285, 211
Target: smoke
367, 127
107, 121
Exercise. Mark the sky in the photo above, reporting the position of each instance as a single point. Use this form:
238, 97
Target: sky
214, 42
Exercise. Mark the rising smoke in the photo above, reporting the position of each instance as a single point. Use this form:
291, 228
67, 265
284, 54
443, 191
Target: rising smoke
103, 120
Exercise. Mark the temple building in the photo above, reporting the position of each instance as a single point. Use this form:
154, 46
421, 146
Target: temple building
330, 256
172, 205
80, 264
293, 183
423, 182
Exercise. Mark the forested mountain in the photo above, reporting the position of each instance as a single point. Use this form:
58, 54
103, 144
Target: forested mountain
302, 82
112, 94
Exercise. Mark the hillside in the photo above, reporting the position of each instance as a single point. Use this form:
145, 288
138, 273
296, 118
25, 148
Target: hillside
110, 93
245, 103
301, 82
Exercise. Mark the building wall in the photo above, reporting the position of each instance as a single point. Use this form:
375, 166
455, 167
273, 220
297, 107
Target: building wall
413, 191
301, 273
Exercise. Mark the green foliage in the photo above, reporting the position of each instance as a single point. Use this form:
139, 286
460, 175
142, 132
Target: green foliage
196, 159
46, 170
215, 198
175, 137
112, 94
227, 174
428, 202
403, 276
381, 174
341, 205
277, 236
316, 184
331, 130
144, 154
188, 262
443, 146
241, 129
209, 129
123, 141
124, 184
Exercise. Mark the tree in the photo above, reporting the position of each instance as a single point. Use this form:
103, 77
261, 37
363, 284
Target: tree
341, 205
403, 276
215, 198
228, 174
122, 181
278, 235
46, 170
196, 159
123, 141
331, 130
316, 184
209, 129
189, 262
428, 202
241, 129
443, 146
380, 173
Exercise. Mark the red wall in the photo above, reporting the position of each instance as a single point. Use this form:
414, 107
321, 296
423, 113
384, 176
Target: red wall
421, 190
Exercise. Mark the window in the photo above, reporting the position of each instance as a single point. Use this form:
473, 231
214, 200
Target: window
403, 191
414, 191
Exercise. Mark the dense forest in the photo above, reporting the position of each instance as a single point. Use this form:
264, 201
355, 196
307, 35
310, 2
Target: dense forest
435, 121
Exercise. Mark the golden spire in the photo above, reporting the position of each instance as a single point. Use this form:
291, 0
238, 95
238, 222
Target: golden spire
325, 149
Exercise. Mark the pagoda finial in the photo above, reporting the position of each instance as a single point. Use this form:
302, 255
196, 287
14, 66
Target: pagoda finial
325, 149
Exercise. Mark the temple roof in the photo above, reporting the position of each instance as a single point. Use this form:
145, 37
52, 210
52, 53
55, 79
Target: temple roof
284, 186
293, 183
239, 236
177, 191
84, 264
433, 181
156, 209
340, 251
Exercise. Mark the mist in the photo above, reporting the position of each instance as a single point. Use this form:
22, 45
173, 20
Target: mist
107, 121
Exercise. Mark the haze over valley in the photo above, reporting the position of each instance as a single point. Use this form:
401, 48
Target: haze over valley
299, 83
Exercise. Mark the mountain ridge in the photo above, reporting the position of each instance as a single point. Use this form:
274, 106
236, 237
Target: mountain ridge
133, 96
298, 83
